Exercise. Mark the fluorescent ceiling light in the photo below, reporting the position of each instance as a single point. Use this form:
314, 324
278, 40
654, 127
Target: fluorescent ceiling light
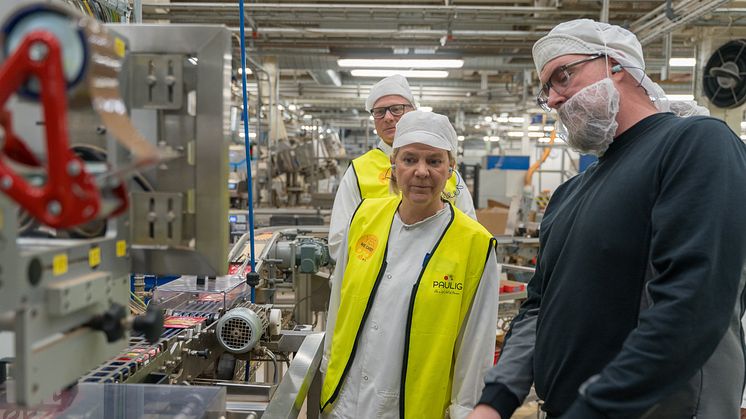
491, 138
743, 137
251, 134
240, 70
532, 134
515, 120
534, 128
544, 140
488, 119
425, 108
308, 116
548, 127
460, 138
682, 62
502, 119
477, 126
425, 74
400, 63
743, 125
680, 97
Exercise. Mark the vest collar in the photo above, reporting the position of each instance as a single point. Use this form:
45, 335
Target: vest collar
385, 147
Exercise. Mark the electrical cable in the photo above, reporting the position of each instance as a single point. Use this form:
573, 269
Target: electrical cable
247, 140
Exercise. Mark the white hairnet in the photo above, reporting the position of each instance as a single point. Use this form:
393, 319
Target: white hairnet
686, 108
391, 85
586, 37
427, 128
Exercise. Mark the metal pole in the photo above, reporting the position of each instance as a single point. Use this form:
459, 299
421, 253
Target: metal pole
667, 45
138, 11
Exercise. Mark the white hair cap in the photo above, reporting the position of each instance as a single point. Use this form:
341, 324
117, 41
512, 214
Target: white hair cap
391, 85
427, 128
588, 37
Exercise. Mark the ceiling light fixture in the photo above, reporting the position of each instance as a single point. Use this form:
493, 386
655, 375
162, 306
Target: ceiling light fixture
680, 97
400, 63
682, 62
424, 74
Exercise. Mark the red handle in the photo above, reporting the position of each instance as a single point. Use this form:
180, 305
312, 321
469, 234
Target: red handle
70, 196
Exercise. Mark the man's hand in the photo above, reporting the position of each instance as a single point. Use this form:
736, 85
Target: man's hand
483, 411
743, 413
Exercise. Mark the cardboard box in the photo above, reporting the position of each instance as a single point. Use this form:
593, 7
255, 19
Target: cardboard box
494, 219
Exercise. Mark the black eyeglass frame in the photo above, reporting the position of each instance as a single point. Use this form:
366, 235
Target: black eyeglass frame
542, 98
390, 109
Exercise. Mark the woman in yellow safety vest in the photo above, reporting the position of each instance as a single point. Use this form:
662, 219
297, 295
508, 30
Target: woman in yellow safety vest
413, 311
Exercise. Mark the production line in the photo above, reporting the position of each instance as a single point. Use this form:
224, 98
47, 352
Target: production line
70, 314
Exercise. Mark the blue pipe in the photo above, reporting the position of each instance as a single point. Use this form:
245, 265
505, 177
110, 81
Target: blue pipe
247, 141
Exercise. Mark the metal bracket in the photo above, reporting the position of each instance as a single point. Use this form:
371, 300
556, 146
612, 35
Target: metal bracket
157, 81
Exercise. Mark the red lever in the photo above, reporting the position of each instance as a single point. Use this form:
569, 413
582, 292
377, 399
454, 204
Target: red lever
69, 197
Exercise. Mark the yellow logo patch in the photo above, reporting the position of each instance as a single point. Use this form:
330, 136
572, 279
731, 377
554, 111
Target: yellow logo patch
365, 247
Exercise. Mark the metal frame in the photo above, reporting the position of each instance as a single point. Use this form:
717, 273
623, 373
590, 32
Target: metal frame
301, 383
52, 288
201, 137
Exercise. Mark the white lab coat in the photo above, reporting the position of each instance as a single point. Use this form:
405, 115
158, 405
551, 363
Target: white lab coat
348, 198
371, 388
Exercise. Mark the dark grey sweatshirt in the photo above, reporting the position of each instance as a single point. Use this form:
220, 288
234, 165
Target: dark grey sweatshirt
635, 306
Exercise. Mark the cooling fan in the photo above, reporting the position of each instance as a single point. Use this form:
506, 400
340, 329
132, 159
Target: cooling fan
724, 79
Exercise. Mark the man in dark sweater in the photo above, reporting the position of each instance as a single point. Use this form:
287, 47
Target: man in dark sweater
634, 310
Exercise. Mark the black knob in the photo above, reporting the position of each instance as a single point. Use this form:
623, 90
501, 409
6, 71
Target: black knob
111, 322
150, 324
252, 279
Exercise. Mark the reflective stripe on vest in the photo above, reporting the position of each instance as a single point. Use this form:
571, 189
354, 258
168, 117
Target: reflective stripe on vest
373, 171
439, 303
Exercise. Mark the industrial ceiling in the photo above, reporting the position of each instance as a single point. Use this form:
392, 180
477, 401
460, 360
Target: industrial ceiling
492, 37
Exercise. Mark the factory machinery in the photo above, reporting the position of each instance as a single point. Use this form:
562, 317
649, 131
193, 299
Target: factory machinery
114, 161
215, 336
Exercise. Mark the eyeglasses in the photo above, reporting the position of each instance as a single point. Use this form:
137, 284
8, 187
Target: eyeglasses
396, 110
559, 81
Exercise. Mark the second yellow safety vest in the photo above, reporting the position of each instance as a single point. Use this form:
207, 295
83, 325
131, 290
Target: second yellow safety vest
373, 171
440, 300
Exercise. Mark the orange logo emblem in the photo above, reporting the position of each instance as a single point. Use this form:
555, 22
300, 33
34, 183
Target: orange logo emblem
365, 247
384, 176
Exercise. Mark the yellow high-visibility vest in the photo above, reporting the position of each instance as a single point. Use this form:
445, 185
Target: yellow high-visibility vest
441, 298
373, 171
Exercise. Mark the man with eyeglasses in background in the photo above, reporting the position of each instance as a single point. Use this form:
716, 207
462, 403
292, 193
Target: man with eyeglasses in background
368, 175
634, 309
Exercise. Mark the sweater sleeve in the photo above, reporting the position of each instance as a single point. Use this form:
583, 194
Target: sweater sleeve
697, 247
508, 383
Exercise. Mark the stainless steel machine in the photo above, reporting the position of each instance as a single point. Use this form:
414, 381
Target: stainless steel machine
114, 161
